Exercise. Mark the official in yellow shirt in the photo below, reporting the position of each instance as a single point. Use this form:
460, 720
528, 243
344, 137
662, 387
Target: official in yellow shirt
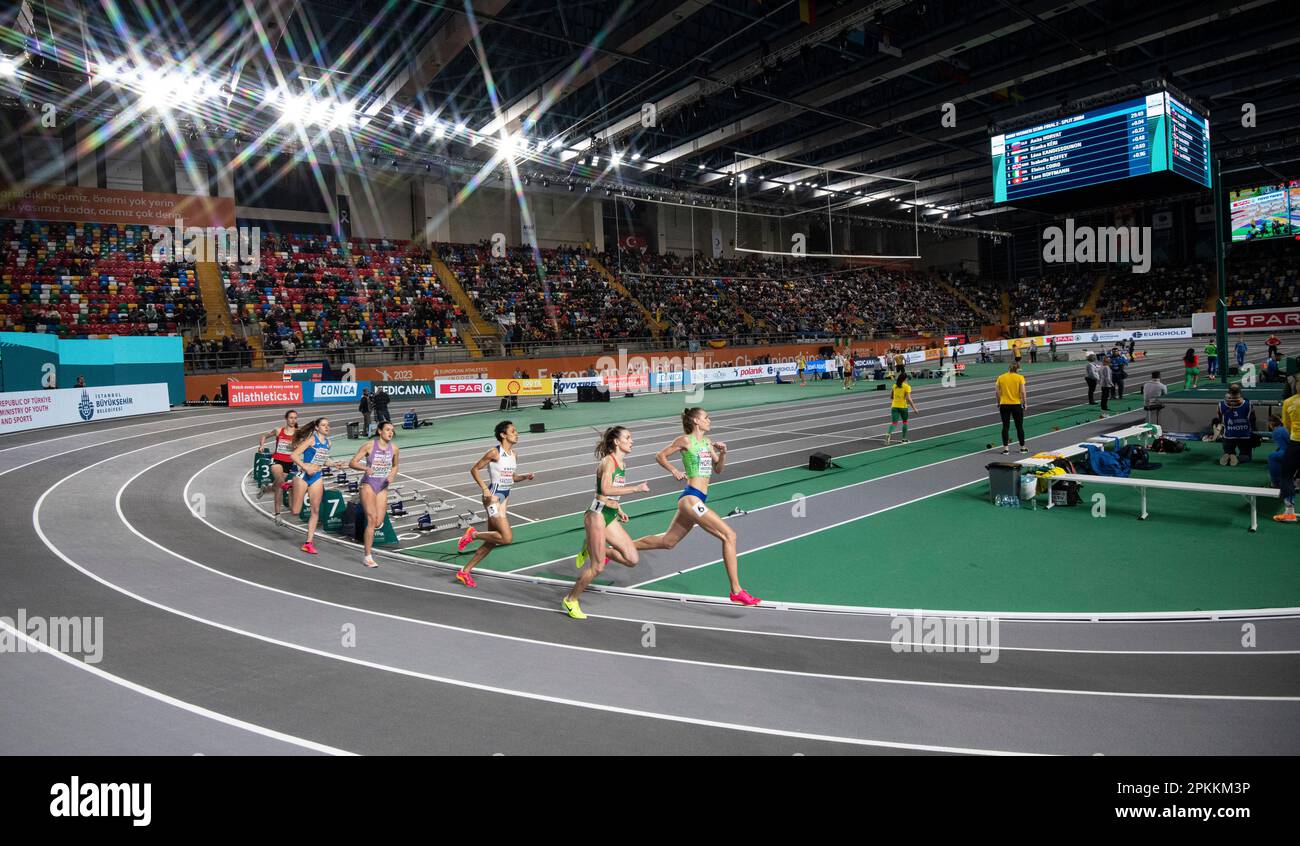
1012, 401
900, 399
1290, 459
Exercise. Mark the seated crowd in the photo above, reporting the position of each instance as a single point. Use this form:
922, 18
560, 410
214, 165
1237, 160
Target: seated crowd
313, 293
1264, 275
1162, 293
91, 279
569, 300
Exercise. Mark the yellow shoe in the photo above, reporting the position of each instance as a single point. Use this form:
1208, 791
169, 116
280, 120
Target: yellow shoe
582, 557
572, 608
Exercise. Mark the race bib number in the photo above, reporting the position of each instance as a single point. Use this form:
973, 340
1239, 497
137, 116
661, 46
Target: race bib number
596, 505
706, 462
700, 509
493, 510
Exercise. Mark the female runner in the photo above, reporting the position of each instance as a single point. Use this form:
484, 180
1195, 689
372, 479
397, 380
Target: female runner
311, 452
700, 458
377, 459
281, 459
605, 515
501, 462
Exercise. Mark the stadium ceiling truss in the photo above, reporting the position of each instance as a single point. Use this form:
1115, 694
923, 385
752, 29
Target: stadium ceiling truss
669, 99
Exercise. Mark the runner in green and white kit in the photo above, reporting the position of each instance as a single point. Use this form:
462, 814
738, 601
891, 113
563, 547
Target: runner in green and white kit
700, 458
605, 516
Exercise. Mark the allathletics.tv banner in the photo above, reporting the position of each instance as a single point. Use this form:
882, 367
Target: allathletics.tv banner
239, 394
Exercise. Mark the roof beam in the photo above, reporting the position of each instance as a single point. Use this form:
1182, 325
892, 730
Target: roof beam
628, 40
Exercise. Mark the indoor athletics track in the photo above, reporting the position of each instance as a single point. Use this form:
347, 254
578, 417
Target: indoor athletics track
220, 637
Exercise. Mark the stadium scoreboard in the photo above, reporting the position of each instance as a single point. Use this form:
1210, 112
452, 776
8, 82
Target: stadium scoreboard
1135, 138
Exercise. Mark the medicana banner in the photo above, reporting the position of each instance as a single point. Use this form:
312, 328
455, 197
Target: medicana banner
38, 409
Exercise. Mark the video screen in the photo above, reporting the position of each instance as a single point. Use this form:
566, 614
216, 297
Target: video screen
1267, 211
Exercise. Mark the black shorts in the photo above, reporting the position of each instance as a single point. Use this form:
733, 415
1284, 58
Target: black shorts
286, 466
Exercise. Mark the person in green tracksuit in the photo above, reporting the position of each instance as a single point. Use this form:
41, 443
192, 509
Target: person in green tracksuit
1211, 357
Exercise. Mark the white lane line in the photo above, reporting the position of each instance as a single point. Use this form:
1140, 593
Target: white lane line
675, 718
538, 643
856, 518
197, 710
478, 502
828, 491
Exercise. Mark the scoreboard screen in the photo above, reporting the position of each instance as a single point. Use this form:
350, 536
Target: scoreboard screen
1137, 137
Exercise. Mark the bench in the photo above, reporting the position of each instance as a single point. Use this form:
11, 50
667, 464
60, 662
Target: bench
1141, 430
1251, 494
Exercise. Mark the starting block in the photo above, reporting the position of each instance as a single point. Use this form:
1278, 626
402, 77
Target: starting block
261, 468
460, 521
341, 479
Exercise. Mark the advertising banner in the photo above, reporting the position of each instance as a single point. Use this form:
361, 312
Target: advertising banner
445, 388
241, 394
406, 390
108, 205
1249, 320
333, 391
56, 407
525, 387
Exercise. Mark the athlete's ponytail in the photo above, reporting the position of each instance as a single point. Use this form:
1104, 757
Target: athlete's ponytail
302, 433
902, 377
605, 445
688, 419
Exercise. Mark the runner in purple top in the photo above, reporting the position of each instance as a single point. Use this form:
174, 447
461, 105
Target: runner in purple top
378, 461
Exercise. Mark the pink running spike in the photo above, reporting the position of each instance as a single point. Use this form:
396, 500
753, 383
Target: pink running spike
466, 539
744, 598
309, 547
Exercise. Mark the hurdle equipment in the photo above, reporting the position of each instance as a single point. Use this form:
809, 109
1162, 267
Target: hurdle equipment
1251, 494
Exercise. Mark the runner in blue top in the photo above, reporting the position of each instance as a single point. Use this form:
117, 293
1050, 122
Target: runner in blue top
311, 453
1240, 349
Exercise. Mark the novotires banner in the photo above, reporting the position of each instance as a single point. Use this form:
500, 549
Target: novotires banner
57, 407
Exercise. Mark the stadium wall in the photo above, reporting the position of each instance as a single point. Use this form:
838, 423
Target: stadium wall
28, 359
200, 385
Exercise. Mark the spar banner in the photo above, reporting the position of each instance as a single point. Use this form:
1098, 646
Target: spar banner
24, 410
264, 393
1249, 320
406, 390
449, 388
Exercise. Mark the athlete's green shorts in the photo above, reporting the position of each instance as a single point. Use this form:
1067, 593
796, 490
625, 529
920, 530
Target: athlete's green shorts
610, 514
896, 414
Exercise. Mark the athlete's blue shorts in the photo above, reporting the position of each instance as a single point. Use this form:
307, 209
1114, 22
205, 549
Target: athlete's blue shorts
501, 495
692, 491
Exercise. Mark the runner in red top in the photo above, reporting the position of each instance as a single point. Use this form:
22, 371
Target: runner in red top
282, 457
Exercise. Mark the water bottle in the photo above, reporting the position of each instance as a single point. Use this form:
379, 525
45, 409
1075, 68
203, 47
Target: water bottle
1008, 501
